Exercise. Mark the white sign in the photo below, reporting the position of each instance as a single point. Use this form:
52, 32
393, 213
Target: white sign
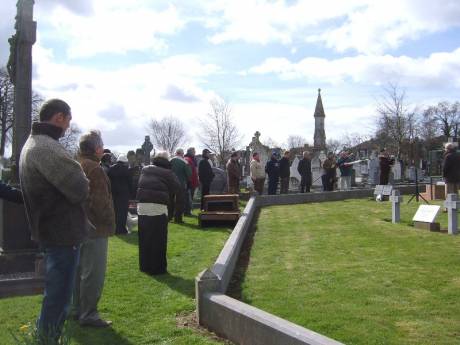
426, 213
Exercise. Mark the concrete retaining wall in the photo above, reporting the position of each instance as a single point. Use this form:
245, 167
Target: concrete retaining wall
237, 321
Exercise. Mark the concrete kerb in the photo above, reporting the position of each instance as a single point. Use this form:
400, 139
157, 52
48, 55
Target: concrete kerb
237, 321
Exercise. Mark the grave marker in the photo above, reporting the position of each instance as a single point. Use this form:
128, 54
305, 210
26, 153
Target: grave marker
452, 204
396, 200
424, 217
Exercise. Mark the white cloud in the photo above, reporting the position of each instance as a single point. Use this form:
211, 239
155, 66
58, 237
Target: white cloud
434, 70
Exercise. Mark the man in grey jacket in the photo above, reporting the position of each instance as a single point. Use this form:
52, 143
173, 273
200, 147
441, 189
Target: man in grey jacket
55, 188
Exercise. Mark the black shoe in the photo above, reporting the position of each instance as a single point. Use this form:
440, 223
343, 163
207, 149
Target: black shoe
97, 323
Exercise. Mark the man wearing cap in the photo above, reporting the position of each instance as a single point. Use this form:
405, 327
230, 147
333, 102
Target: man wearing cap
233, 174
206, 175
120, 180
285, 173
451, 169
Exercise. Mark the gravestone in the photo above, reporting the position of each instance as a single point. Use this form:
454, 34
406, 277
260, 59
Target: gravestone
219, 182
374, 170
425, 216
316, 168
452, 204
397, 171
294, 181
396, 200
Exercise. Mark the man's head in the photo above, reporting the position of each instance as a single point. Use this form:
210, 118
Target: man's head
234, 156
206, 153
306, 154
330, 155
180, 152
57, 113
191, 151
286, 154
91, 144
256, 156
449, 147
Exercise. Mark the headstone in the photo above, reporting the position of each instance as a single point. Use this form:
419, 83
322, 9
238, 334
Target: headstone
396, 200
295, 176
425, 216
374, 170
452, 204
219, 182
396, 169
316, 169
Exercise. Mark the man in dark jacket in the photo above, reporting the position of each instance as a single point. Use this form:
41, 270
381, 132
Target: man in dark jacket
451, 169
329, 172
93, 254
272, 168
156, 184
304, 169
345, 170
233, 174
285, 173
183, 171
205, 174
120, 180
55, 188
10, 193
385, 163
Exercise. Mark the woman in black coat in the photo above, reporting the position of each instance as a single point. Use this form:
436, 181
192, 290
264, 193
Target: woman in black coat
157, 184
120, 180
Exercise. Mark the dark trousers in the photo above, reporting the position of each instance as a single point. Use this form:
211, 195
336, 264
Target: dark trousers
153, 240
259, 185
188, 206
284, 185
204, 191
120, 205
272, 185
328, 182
305, 184
176, 206
384, 177
60, 271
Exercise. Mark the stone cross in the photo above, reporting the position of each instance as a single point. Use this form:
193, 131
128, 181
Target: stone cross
396, 200
452, 204
20, 70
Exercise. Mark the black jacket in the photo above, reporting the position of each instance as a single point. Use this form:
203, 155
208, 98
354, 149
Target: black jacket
304, 167
158, 183
451, 167
285, 167
120, 180
272, 168
205, 171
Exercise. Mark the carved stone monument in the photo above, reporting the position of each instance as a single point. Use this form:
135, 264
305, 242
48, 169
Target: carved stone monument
147, 147
17, 251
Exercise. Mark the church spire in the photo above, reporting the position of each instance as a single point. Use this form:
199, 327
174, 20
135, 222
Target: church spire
319, 110
319, 139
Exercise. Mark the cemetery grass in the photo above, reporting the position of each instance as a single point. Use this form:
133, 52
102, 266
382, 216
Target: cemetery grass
344, 270
144, 309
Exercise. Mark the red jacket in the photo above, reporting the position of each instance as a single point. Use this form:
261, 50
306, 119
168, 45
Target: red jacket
194, 183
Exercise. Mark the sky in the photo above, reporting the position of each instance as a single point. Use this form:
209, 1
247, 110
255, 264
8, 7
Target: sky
121, 63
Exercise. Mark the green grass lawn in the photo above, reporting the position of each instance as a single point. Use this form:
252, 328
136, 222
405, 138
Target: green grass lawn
143, 309
344, 270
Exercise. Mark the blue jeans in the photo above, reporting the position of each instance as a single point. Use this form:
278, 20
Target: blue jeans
61, 267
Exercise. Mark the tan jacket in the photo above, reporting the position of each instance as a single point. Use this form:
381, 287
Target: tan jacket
99, 204
257, 170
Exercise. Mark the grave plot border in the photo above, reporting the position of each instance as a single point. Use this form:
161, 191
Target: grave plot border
237, 321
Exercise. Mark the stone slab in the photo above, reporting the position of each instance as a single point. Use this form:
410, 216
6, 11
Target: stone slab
427, 226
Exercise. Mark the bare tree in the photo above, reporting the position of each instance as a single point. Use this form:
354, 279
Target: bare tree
445, 116
167, 134
333, 145
295, 141
7, 108
396, 122
70, 138
271, 143
219, 133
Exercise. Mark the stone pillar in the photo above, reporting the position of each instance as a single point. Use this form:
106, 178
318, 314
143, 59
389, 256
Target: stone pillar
452, 204
396, 200
20, 70
206, 282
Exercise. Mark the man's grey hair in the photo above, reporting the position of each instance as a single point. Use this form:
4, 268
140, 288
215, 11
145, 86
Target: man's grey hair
89, 142
180, 152
162, 154
449, 146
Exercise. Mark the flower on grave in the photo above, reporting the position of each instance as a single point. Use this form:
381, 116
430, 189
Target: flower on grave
24, 328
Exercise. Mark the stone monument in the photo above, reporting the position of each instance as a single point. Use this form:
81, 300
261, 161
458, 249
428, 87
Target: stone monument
147, 147
319, 142
17, 251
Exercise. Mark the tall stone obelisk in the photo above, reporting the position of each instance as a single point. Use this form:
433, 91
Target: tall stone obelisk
20, 71
319, 138
16, 248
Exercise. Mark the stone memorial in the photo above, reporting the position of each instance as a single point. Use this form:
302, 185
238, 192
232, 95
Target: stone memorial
396, 200
397, 171
425, 216
295, 176
147, 148
452, 204
374, 169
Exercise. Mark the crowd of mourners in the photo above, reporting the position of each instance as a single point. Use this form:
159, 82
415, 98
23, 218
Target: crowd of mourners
74, 205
